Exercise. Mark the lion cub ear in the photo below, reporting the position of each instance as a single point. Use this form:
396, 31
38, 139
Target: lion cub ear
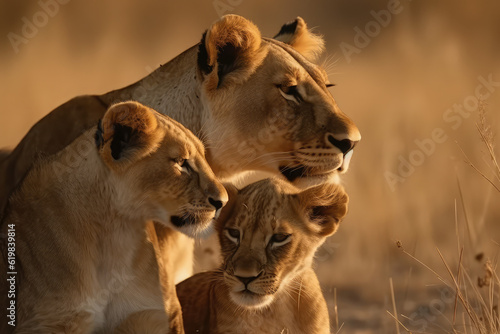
229, 52
297, 35
325, 206
127, 132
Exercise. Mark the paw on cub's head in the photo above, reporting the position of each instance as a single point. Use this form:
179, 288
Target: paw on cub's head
269, 232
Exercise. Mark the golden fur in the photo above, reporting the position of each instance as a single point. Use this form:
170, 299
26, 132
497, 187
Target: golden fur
237, 92
268, 233
83, 259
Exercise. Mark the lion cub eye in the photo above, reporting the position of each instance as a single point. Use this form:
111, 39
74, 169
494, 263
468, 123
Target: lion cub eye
184, 164
280, 239
233, 235
290, 93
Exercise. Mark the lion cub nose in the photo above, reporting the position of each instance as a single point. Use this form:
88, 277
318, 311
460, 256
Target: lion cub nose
217, 204
248, 280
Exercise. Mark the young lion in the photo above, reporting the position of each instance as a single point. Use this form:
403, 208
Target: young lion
84, 263
268, 233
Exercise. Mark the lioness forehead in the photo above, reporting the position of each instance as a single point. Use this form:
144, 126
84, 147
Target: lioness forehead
317, 73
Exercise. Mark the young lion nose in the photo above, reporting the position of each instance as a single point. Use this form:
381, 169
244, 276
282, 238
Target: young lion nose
344, 145
217, 204
248, 280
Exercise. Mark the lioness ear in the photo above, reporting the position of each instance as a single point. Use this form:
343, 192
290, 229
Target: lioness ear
297, 35
227, 210
325, 206
229, 51
127, 132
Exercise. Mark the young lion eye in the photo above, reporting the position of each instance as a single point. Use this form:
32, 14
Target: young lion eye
279, 239
233, 234
290, 93
184, 164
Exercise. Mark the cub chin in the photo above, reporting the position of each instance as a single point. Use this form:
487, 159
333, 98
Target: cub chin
268, 233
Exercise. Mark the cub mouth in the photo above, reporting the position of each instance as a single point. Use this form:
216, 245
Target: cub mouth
182, 221
196, 224
250, 299
201, 217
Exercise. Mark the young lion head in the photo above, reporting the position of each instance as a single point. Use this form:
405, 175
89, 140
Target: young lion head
158, 164
269, 233
270, 107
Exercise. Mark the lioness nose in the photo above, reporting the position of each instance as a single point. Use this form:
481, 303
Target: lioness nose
217, 204
344, 145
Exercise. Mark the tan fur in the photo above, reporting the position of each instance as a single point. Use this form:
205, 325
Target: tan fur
246, 38
84, 261
245, 122
283, 295
304, 40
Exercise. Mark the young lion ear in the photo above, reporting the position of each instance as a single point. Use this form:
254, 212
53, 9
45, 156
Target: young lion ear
325, 206
127, 132
229, 52
297, 35
227, 210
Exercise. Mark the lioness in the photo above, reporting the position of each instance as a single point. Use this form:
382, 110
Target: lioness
268, 233
83, 260
256, 103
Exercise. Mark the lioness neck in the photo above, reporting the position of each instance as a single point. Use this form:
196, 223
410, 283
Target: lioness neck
173, 90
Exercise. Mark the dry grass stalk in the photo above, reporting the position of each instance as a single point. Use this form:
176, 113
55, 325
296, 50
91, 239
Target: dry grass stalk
336, 312
487, 137
394, 305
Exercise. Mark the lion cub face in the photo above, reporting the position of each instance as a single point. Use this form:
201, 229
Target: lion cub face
159, 168
269, 234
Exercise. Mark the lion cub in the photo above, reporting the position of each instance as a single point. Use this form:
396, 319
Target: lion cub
84, 263
268, 234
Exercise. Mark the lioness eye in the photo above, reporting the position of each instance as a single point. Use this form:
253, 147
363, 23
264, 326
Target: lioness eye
279, 238
290, 93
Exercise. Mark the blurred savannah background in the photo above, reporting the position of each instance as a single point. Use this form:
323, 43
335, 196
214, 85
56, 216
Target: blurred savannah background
409, 80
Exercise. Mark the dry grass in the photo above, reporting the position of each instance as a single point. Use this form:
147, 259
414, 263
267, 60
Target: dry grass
477, 290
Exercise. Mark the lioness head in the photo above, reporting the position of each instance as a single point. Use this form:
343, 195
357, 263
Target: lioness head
159, 164
269, 232
269, 103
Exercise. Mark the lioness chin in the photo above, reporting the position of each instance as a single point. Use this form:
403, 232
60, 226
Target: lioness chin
83, 260
268, 233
